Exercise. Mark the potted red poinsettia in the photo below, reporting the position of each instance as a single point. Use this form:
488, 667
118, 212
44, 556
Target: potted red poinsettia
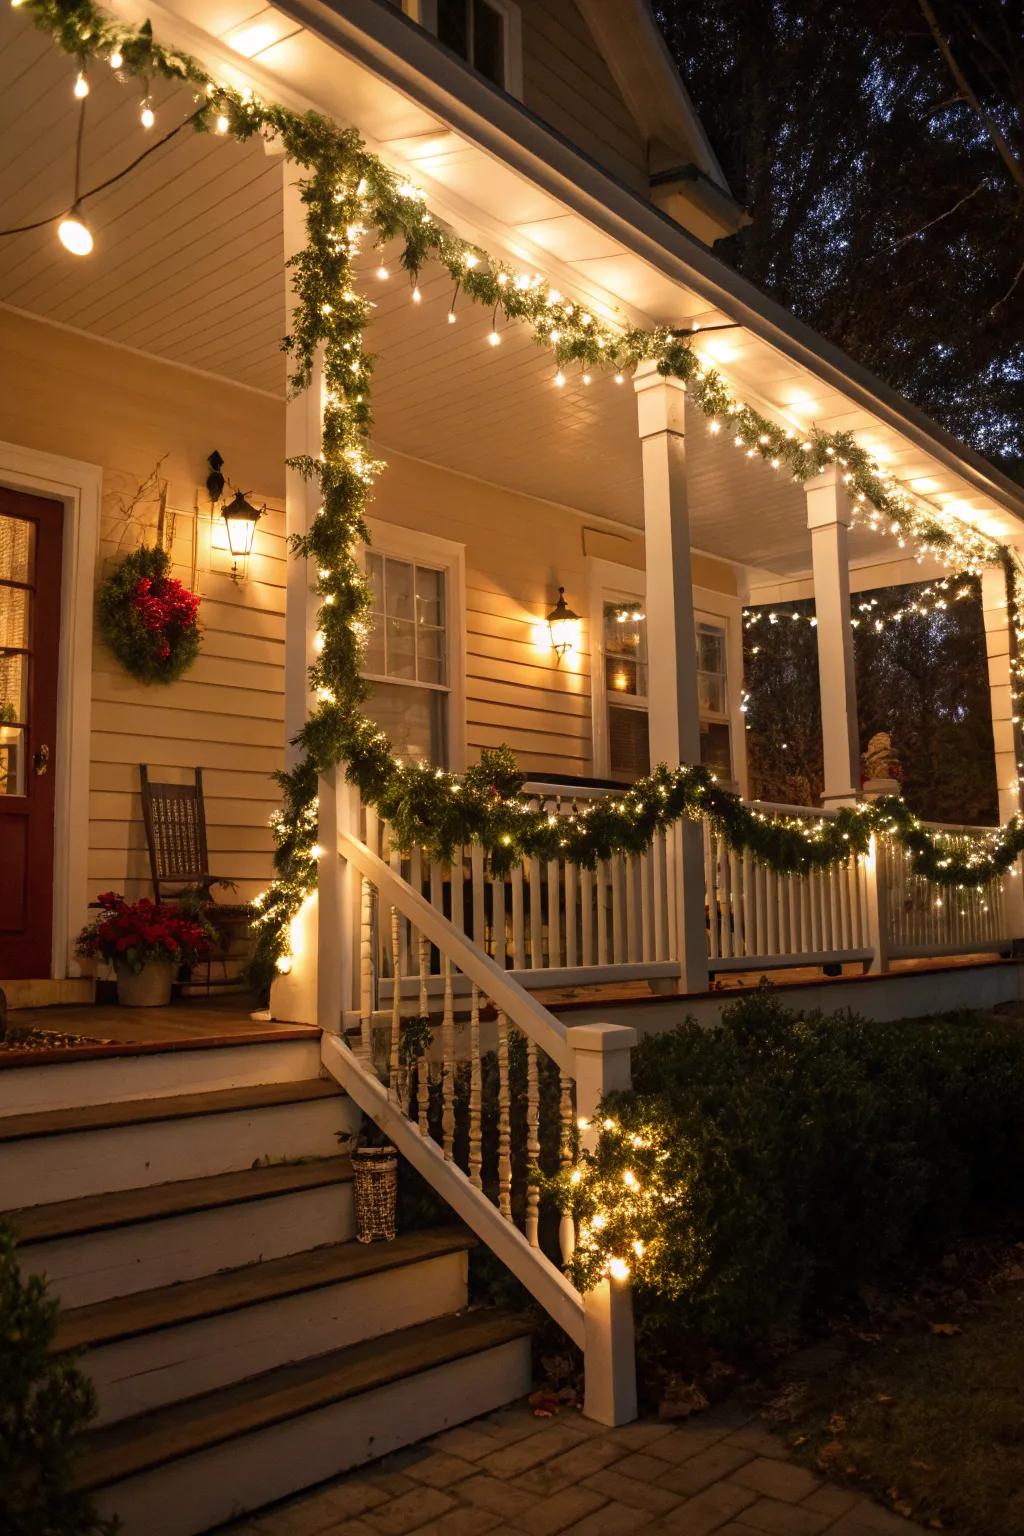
147, 944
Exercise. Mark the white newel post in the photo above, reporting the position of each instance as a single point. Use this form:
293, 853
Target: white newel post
673, 713
828, 518
1006, 733
602, 1065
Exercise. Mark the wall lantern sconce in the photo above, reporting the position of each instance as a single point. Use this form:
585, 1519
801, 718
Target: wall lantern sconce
564, 626
240, 519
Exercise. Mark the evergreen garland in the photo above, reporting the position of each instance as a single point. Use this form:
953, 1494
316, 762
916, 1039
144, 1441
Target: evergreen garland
350, 194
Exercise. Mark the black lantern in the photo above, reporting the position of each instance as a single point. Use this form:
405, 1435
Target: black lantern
564, 625
240, 519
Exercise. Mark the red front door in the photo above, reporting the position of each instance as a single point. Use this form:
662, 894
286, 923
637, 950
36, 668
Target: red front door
30, 548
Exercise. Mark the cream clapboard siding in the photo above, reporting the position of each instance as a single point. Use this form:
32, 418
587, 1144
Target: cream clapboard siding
79, 397
88, 400
567, 83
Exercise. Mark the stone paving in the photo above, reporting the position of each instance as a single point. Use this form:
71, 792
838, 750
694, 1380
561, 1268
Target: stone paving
511, 1472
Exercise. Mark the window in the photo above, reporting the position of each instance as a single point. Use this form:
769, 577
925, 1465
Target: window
407, 656
625, 663
713, 698
477, 30
625, 680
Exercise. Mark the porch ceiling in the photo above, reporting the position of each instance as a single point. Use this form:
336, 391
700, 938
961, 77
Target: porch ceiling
188, 267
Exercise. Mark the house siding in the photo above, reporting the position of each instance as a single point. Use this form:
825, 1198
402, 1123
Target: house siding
85, 399
567, 83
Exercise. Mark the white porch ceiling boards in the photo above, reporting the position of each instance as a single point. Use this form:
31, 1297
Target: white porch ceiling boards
187, 267
187, 263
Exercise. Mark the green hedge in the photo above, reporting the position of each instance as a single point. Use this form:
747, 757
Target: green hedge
784, 1161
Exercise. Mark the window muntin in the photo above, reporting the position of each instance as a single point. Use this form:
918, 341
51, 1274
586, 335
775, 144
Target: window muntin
476, 31
406, 658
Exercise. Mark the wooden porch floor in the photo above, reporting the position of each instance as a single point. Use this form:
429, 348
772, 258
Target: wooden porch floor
229, 1018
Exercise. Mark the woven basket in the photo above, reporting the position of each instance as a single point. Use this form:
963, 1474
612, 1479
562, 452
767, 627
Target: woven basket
375, 1177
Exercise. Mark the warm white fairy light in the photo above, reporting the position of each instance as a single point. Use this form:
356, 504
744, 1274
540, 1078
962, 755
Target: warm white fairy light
147, 117
81, 89
116, 59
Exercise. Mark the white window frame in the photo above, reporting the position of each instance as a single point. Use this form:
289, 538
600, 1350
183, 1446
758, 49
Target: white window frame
610, 582
400, 543
425, 12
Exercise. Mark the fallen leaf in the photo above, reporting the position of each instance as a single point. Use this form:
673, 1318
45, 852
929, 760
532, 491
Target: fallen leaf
836, 1424
946, 1330
869, 1338
936, 1525
680, 1399
829, 1454
543, 1413
903, 1508
798, 1440
922, 1466
883, 1397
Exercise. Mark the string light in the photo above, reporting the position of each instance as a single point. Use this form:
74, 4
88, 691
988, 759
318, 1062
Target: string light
81, 86
147, 117
74, 233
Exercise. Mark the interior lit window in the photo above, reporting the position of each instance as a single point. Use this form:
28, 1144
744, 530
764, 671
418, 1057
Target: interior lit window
625, 678
476, 31
406, 657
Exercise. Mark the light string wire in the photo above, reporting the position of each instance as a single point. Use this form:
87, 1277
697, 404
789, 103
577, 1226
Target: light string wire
350, 193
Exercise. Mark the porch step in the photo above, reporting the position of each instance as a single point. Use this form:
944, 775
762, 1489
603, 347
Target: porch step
60, 1154
188, 1467
113, 1073
107, 1245
160, 1346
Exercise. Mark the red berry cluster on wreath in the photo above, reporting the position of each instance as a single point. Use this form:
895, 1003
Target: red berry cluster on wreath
163, 605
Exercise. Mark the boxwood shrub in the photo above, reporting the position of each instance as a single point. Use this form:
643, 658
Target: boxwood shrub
803, 1157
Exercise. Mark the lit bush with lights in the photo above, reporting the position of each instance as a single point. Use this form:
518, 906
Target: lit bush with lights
765, 1169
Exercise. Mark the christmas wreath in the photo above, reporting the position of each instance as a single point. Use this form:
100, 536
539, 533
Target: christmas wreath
148, 618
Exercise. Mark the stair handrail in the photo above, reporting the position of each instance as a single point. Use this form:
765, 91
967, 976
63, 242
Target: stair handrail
594, 1057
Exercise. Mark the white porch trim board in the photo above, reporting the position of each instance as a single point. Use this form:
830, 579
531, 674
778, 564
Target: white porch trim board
79, 486
1006, 730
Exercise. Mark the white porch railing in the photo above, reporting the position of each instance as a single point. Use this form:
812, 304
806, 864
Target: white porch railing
548, 923
475, 1096
757, 918
926, 919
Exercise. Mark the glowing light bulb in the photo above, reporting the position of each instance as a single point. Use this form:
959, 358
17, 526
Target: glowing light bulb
620, 378
452, 317
416, 295
116, 59
494, 339
560, 379
618, 1269
586, 378
147, 117
81, 86
284, 964
382, 273
222, 124
74, 234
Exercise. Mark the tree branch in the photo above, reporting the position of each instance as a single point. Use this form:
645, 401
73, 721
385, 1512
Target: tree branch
1003, 149
937, 220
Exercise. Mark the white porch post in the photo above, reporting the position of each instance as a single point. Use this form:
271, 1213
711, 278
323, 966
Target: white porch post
828, 518
1006, 732
309, 994
602, 1061
673, 716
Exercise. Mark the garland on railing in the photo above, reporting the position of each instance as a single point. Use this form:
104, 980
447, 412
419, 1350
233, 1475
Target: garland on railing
350, 193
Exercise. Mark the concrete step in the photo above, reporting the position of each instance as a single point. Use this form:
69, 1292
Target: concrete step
186, 1468
112, 1074
107, 1245
161, 1346
57, 1155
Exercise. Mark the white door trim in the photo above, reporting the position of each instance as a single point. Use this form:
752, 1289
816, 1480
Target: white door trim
79, 486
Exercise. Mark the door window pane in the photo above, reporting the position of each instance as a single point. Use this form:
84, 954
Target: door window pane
711, 680
17, 537
625, 649
13, 688
12, 760
414, 718
14, 615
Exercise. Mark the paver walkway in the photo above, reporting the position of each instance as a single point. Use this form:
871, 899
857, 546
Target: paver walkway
511, 1472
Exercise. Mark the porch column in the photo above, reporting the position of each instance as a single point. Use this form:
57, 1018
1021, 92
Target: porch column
673, 716
828, 518
306, 995
1000, 645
